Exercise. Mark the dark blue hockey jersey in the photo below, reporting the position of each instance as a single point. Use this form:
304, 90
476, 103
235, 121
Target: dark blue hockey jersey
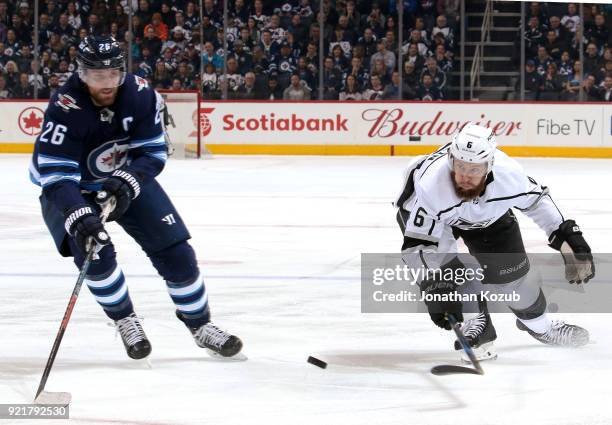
81, 144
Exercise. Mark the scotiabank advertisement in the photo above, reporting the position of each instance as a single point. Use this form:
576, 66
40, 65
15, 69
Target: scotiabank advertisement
423, 123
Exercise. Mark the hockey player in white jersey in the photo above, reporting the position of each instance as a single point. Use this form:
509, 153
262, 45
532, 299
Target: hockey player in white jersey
468, 189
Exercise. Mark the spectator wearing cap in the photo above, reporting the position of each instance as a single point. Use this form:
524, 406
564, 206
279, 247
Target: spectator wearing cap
297, 89
382, 53
273, 90
178, 41
243, 56
269, 46
158, 26
284, 64
427, 90
533, 81
210, 56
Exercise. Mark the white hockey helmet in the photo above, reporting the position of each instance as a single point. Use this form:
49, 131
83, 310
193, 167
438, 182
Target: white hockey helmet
475, 144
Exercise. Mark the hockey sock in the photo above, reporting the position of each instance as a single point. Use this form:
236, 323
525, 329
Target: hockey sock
534, 316
539, 325
111, 292
191, 300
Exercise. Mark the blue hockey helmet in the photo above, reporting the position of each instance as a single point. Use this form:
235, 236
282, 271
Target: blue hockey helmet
101, 62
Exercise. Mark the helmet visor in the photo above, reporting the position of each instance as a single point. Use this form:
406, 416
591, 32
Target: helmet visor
469, 168
107, 78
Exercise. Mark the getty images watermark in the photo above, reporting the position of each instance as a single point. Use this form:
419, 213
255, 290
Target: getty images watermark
396, 283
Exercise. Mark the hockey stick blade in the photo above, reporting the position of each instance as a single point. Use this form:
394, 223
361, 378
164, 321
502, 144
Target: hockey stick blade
57, 398
447, 369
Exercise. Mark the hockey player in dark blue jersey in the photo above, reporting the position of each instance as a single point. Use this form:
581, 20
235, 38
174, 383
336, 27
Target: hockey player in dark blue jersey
103, 132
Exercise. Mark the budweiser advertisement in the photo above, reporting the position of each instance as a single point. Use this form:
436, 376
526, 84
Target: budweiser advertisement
375, 123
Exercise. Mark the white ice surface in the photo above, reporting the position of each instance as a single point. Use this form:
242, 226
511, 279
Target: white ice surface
279, 242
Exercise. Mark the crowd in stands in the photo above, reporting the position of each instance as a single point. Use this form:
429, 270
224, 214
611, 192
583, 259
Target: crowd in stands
272, 46
553, 71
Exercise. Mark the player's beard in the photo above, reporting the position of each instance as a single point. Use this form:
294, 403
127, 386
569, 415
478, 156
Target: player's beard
103, 99
468, 194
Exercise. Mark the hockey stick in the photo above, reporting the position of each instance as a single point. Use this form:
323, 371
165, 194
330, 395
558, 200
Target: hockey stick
64, 398
452, 369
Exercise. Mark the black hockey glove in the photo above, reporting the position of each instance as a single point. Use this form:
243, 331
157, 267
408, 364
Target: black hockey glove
439, 309
124, 186
576, 252
85, 226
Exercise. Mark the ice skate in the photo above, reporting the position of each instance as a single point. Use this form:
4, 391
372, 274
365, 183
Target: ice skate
480, 334
134, 339
560, 334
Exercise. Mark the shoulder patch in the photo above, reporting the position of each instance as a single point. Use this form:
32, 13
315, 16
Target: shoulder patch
66, 102
141, 82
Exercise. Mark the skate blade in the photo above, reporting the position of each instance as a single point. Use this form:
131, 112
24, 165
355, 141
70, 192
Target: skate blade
483, 353
57, 398
239, 357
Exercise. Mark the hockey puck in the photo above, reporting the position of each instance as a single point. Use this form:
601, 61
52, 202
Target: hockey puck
317, 362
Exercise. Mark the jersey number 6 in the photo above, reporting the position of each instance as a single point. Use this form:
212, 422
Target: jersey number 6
57, 137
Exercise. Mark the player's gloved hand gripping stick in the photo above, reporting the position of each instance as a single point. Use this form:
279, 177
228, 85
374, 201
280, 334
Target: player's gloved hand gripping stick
568, 239
92, 246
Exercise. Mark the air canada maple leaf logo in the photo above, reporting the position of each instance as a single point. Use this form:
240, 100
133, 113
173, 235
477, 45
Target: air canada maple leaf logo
30, 121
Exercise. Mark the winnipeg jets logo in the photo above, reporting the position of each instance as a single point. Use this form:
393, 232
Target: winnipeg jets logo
469, 225
107, 158
141, 83
66, 102
169, 219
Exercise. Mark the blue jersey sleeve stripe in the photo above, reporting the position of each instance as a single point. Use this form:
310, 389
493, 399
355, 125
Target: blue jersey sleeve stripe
58, 169
162, 156
45, 159
55, 179
157, 140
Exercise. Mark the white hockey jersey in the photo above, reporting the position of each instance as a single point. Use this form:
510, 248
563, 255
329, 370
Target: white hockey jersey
431, 208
